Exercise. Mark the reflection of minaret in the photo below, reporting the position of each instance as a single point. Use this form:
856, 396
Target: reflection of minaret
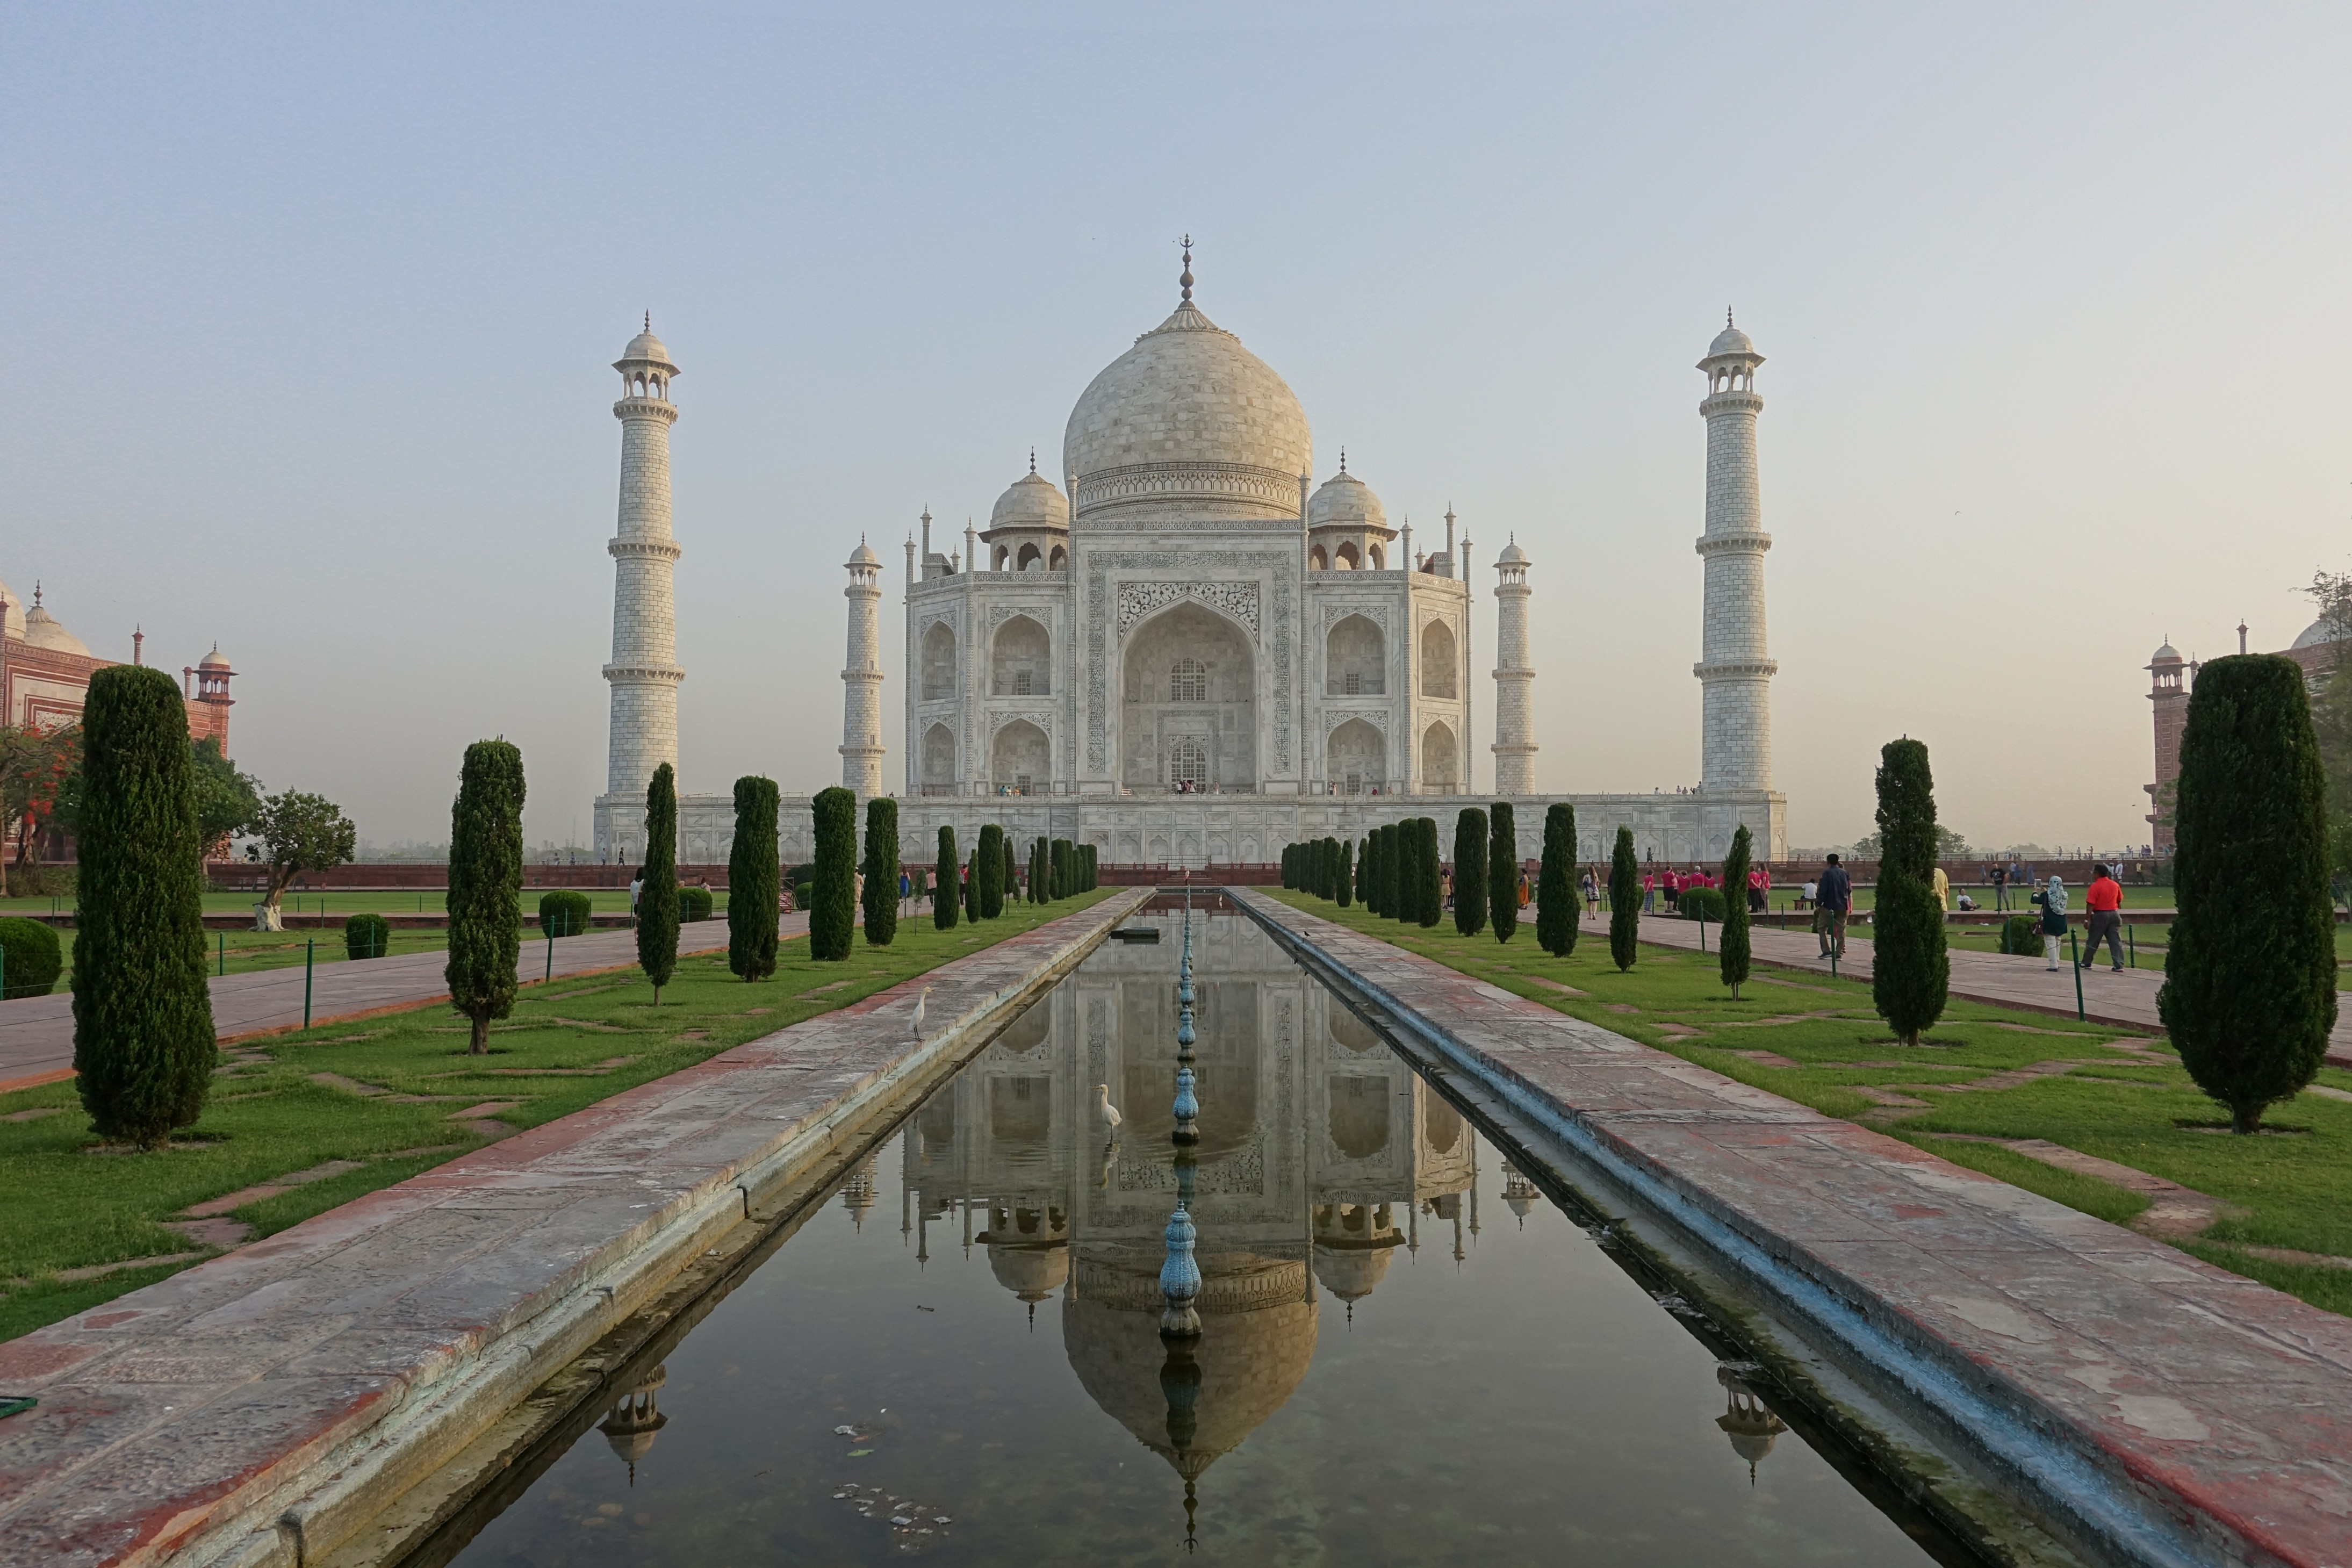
1519, 1194
858, 1192
631, 1425
1745, 1421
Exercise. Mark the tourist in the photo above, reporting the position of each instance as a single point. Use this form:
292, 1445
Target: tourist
2104, 900
1966, 903
636, 886
1649, 893
2001, 888
1808, 895
1943, 890
1592, 888
1674, 889
1833, 902
2052, 901
1759, 890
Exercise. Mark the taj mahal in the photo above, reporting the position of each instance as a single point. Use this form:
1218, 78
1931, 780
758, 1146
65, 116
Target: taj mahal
1188, 652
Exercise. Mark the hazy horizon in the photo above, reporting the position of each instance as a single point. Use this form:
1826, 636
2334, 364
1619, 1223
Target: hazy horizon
318, 307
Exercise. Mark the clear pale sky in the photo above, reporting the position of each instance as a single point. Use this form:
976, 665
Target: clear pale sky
313, 307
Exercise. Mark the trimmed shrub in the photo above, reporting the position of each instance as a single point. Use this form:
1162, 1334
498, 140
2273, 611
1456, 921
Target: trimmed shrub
1502, 871
695, 904
1734, 954
658, 906
1702, 904
1012, 871
485, 887
881, 870
971, 886
2249, 992
753, 879
565, 912
803, 891
1910, 968
1091, 858
988, 871
143, 1014
1344, 880
2021, 934
945, 898
35, 957
1428, 867
1059, 868
833, 894
1368, 874
1470, 871
1557, 899
1405, 900
366, 936
1624, 902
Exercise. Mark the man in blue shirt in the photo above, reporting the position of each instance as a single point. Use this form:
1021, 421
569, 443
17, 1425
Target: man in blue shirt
1833, 900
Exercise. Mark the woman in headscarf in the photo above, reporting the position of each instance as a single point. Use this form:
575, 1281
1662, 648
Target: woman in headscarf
2053, 900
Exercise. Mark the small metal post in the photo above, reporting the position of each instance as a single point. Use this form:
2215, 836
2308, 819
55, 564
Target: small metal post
1702, 931
309, 961
2131, 945
550, 954
222, 939
2075, 957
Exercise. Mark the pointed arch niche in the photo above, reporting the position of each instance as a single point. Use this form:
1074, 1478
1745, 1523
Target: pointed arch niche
1021, 659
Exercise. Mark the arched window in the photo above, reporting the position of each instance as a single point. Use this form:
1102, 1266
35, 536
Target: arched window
1346, 559
1188, 681
1438, 660
1317, 560
1060, 561
1188, 762
1029, 559
939, 662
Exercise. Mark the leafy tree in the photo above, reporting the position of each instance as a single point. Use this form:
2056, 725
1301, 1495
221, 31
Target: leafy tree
144, 1050
1470, 871
1624, 902
1733, 946
1343, 879
2331, 718
1557, 904
485, 887
40, 786
1502, 871
658, 910
226, 800
301, 832
2249, 992
833, 897
945, 897
1911, 971
754, 875
988, 872
1428, 868
881, 870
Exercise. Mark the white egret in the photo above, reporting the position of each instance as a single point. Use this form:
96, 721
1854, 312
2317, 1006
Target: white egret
1103, 1108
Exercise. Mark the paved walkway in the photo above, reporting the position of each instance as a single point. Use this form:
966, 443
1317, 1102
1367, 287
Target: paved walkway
2185, 1412
37, 1032
261, 1408
2007, 979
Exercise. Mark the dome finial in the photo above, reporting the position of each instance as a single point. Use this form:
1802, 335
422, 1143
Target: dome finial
37, 593
1343, 459
1185, 280
1033, 460
649, 320
1727, 315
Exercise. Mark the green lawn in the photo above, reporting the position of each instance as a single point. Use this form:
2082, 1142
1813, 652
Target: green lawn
73, 1205
428, 900
1821, 1043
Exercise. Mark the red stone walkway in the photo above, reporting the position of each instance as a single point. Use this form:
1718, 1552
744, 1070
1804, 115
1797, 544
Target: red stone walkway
37, 1032
2007, 979
2190, 1413
260, 1408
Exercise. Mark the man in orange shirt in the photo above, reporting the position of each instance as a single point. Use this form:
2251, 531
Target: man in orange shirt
2105, 902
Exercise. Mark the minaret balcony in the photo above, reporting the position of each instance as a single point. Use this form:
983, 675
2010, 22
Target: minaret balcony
646, 408
663, 548
1734, 543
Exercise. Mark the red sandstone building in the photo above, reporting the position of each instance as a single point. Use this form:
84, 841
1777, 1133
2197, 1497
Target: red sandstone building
2172, 678
45, 674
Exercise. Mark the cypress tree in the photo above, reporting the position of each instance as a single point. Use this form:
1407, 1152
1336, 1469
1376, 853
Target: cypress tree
1470, 854
1327, 867
1405, 895
881, 899
989, 872
1315, 866
144, 1046
1094, 867
1624, 901
1733, 944
485, 887
1042, 873
1059, 868
754, 875
944, 898
971, 886
1392, 873
658, 901
1502, 871
1344, 880
1556, 903
1011, 873
833, 890
2249, 992
1910, 970
1427, 864
1368, 877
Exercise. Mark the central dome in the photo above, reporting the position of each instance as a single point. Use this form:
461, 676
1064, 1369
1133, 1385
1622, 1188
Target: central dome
1188, 415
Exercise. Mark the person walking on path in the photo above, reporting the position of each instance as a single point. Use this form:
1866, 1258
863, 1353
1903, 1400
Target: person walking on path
2104, 900
2000, 888
1674, 889
1649, 893
637, 886
1833, 900
2052, 901
1592, 889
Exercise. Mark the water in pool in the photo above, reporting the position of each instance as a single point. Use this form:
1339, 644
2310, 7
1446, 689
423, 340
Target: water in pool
1406, 1354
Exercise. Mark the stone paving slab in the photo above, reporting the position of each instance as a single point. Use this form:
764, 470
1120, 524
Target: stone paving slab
256, 1408
37, 1032
2009, 980
2183, 1413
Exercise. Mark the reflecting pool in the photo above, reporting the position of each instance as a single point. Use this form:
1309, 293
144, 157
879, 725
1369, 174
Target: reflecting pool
1406, 1353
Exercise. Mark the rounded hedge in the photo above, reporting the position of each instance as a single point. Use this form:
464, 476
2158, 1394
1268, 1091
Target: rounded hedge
35, 956
1698, 904
564, 912
367, 936
695, 904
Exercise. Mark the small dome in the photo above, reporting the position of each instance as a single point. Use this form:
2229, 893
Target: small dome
1346, 501
863, 555
42, 629
647, 349
12, 611
2325, 629
2167, 654
1730, 340
1512, 555
213, 660
1030, 502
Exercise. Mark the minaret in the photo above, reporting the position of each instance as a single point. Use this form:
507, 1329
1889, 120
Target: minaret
644, 673
1737, 735
861, 677
1515, 678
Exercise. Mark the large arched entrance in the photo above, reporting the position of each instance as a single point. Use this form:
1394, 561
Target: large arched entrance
1023, 659
1356, 758
1438, 761
939, 760
1021, 759
1188, 702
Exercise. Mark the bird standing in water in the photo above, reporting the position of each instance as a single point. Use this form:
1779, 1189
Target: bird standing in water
1103, 1108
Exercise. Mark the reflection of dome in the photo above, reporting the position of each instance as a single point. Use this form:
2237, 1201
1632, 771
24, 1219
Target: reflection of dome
631, 1427
1351, 1272
1192, 406
1750, 1427
1032, 1273
1256, 1340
